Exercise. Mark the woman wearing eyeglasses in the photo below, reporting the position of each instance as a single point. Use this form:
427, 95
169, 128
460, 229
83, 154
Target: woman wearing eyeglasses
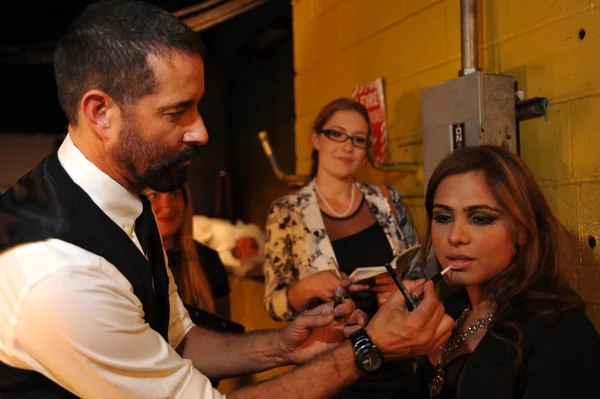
335, 219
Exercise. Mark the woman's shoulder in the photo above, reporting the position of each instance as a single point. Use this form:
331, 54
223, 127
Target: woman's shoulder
564, 345
569, 324
206, 253
371, 188
378, 191
295, 200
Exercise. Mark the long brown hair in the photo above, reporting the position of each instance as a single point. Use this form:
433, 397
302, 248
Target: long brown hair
534, 284
192, 283
340, 104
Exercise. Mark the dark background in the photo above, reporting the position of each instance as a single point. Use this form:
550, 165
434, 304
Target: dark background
249, 88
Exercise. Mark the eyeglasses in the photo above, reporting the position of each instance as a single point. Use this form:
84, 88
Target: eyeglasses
357, 141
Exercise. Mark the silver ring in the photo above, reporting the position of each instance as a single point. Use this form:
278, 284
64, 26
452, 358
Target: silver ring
414, 297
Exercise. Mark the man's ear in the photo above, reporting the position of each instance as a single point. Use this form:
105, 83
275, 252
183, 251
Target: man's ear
100, 113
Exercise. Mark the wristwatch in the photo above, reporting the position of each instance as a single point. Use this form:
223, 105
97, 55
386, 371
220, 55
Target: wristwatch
367, 356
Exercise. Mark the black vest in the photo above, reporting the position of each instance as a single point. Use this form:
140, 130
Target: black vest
46, 203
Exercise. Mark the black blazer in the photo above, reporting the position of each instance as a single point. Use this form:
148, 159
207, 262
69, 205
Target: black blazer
560, 358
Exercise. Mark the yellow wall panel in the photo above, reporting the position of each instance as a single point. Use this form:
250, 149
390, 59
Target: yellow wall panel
345, 24
398, 49
413, 44
357, 20
548, 139
303, 93
415, 6
303, 144
564, 200
580, 5
303, 166
586, 137
404, 97
321, 7
526, 14
551, 60
303, 14
589, 221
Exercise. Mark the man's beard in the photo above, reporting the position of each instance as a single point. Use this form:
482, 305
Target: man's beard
147, 164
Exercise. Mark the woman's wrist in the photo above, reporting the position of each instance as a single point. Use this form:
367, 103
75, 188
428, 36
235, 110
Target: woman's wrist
296, 297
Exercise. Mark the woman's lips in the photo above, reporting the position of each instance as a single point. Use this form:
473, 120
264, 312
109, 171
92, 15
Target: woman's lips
459, 262
166, 219
344, 159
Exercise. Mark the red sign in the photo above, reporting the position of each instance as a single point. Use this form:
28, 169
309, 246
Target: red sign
371, 96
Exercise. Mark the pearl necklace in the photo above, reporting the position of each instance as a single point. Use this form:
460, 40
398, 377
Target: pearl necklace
333, 211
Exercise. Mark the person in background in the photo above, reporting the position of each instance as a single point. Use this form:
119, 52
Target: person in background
522, 331
200, 275
335, 219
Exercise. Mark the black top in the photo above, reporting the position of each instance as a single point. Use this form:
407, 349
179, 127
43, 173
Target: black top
211, 264
454, 373
559, 360
369, 247
216, 273
359, 241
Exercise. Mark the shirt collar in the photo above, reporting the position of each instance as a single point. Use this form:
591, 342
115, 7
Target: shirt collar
121, 205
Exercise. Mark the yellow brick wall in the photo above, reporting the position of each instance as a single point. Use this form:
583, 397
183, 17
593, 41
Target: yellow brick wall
412, 44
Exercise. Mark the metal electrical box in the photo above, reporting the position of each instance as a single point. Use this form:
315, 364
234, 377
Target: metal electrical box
471, 110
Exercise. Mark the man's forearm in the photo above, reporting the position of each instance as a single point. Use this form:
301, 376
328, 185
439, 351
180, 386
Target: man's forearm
323, 377
224, 355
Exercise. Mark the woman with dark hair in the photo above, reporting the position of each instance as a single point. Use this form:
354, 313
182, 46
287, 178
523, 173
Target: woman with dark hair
521, 330
335, 219
200, 275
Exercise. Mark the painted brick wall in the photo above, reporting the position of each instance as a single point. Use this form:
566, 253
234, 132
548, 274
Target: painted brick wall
412, 44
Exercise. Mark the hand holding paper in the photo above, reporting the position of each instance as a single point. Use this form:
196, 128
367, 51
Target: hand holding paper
367, 275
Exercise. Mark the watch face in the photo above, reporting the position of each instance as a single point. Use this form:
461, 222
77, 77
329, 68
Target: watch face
369, 360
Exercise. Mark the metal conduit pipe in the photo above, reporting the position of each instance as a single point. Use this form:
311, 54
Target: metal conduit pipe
295, 180
468, 37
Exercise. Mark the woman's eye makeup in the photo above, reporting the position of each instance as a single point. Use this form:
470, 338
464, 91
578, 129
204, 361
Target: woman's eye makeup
442, 217
476, 218
483, 219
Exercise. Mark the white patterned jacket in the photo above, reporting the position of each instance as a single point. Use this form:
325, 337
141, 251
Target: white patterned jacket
298, 246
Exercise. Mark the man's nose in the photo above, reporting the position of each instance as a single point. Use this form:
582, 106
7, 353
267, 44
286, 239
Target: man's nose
196, 133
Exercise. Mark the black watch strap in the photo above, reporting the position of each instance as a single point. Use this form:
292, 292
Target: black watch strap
367, 356
360, 339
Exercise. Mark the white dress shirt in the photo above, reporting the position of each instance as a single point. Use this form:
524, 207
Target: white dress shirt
72, 316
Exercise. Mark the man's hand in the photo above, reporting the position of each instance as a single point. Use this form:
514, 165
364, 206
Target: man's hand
400, 333
316, 331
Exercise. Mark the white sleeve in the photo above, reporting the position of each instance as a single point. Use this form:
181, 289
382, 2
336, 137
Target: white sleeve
179, 319
84, 329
